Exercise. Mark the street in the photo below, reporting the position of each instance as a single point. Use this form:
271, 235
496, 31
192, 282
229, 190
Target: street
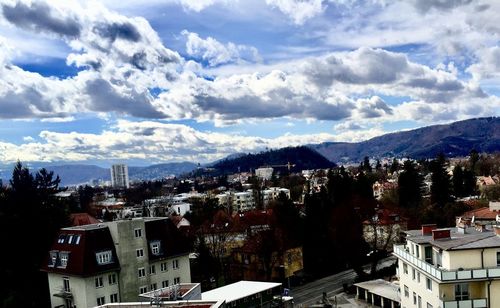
312, 292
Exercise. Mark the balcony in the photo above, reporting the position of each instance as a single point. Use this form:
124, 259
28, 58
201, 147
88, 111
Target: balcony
471, 303
445, 275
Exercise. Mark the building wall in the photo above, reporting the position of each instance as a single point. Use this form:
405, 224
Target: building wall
453, 260
419, 287
92, 293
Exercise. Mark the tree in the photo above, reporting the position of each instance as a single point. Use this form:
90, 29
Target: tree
365, 165
410, 186
458, 181
441, 185
394, 166
29, 205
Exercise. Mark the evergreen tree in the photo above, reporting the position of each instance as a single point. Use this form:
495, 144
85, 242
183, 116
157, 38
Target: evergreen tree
458, 181
410, 186
441, 184
365, 165
394, 166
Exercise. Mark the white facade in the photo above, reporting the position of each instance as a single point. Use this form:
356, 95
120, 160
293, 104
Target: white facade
181, 208
244, 201
461, 270
273, 193
264, 173
119, 176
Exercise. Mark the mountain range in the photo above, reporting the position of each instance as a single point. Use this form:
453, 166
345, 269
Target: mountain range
455, 139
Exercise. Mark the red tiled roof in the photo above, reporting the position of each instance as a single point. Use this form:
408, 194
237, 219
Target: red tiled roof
481, 213
81, 219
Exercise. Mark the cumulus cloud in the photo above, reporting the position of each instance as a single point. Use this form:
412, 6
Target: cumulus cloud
142, 140
216, 53
298, 10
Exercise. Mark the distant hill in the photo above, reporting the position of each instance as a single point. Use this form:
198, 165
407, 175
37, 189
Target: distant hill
74, 174
303, 158
455, 139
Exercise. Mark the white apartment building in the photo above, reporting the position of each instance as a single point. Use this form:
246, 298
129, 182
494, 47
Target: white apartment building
112, 262
450, 268
119, 176
264, 173
272, 193
243, 201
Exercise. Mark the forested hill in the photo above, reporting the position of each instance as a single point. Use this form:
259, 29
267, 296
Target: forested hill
455, 139
302, 157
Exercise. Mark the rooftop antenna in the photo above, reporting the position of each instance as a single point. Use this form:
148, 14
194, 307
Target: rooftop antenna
156, 300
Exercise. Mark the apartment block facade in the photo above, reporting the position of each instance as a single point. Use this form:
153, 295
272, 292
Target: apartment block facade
450, 268
111, 262
119, 176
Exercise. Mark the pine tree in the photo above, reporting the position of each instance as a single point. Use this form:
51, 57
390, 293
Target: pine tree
410, 186
441, 184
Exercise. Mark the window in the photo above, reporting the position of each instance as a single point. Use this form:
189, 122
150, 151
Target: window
407, 292
141, 272
414, 298
104, 257
175, 264
413, 273
155, 247
63, 259
428, 254
52, 258
163, 267
61, 238
66, 284
76, 240
177, 280
70, 239
405, 268
152, 270
98, 282
498, 258
461, 291
138, 232
419, 302
139, 253
164, 283
112, 279
417, 250
101, 301
418, 277
428, 283
153, 286
113, 298
143, 290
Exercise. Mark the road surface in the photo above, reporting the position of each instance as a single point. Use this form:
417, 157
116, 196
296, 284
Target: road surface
312, 292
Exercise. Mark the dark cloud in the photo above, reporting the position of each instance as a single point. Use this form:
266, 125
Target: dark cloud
15, 105
104, 98
426, 5
113, 31
38, 17
374, 108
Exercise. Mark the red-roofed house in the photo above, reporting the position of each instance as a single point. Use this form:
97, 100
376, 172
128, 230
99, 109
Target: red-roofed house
81, 219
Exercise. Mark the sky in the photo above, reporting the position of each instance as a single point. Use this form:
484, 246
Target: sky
143, 82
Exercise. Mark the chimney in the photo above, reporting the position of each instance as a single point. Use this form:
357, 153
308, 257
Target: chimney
497, 230
439, 234
427, 229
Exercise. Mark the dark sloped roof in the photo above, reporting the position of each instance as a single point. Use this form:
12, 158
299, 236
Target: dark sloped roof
82, 259
172, 241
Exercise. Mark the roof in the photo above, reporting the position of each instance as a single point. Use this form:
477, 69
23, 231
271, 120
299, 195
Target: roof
81, 244
472, 239
173, 304
238, 290
79, 219
382, 288
483, 213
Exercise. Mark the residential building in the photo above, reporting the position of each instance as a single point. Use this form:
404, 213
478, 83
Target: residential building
115, 261
243, 201
454, 267
384, 229
272, 193
119, 176
264, 173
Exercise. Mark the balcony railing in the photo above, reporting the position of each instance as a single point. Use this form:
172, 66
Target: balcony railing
442, 274
471, 303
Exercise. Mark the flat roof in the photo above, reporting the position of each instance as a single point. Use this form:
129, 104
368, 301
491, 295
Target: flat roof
382, 288
471, 239
238, 290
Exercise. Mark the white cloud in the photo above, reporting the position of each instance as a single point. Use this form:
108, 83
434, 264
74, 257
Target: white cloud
216, 53
298, 10
143, 140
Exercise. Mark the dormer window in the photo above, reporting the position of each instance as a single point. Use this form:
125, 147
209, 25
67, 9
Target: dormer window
61, 238
104, 257
155, 247
63, 259
52, 258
